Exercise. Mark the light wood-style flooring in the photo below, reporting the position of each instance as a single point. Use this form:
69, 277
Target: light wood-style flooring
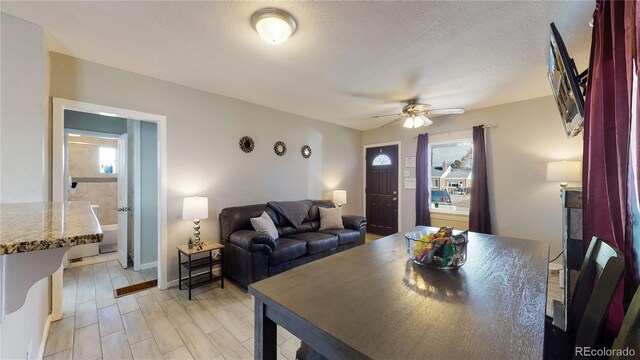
153, 324
133, 277
371, 237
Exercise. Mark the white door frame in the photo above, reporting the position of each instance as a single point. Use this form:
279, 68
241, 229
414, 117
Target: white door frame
364, 177
58, 188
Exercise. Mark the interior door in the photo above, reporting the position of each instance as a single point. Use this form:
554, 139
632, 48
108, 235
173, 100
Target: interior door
123, 202
382, 190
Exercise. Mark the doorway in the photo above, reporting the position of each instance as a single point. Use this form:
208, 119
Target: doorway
127, 180
116, 172
94, 172
382, 188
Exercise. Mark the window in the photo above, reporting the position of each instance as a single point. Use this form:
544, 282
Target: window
107, 160
381, 160
451, 162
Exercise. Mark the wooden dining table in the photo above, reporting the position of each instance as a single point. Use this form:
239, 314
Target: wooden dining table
372, 302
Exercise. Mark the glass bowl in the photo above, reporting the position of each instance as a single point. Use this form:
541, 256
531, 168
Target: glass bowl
439, 250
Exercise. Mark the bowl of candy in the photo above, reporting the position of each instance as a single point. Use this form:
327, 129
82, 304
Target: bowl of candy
441, 249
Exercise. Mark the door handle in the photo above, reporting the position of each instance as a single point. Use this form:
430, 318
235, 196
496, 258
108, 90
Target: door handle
394, 199
124, 208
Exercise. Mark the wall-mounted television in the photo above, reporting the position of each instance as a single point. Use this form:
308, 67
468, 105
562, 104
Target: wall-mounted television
566, 84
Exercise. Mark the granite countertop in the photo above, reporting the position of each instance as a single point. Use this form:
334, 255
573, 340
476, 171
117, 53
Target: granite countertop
39, 226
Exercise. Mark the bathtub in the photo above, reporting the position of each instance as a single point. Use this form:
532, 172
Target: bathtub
110, 240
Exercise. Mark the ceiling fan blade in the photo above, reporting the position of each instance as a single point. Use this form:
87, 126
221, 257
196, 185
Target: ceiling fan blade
393, 122
445, 111
379, 116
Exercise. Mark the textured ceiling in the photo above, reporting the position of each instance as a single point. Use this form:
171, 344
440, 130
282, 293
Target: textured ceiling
346, 62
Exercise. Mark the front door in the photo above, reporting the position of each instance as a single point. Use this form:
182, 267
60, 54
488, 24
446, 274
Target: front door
382, 190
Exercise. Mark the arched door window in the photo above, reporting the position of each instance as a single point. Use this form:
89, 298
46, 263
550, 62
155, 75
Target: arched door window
381, 160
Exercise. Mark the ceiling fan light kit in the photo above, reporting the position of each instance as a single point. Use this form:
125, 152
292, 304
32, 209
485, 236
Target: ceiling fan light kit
413, 122
414, 114
408, 123
274, 25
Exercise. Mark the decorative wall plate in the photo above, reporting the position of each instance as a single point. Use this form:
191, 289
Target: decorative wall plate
280, 148
247, 144
306, 151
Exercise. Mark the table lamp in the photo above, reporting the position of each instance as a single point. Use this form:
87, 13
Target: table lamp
195, 208
339, 197
564, 171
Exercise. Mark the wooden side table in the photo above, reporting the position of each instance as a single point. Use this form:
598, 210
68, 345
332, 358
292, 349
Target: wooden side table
191, 265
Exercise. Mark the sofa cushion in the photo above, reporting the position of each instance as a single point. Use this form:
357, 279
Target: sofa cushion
331, 219
286, 250
314, 214
264, 224
285, 231
238, 218
317, 242
345, 236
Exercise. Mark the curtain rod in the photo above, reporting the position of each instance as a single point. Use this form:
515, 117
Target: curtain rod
454, 131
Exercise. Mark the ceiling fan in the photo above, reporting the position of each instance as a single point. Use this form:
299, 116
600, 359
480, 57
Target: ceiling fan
414, 114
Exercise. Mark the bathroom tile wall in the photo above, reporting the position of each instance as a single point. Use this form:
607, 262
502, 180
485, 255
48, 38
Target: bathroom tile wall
94, 187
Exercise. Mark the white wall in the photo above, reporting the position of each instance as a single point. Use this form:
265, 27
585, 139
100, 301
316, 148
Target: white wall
24, 163
25, 111
203, 131
22, 329
528, 135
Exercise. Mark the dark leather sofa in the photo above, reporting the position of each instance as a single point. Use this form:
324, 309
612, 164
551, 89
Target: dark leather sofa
250, 256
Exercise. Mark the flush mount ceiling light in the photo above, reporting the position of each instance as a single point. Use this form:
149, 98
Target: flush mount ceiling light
274, 25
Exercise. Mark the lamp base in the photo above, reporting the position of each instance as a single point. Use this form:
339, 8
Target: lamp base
196, 232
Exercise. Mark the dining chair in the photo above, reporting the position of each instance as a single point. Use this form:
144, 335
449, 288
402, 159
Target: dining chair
629, 335
600, 273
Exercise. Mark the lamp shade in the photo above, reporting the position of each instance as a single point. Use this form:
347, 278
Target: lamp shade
564, 171
195, 207
339, 197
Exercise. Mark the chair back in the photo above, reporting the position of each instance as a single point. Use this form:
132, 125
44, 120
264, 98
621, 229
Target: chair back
592, 267
630, 329
600, 274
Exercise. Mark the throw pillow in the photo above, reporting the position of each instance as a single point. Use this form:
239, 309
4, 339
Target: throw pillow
330, 218
264, 224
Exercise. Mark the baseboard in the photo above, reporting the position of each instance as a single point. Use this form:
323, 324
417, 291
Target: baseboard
149, 265
45, 336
